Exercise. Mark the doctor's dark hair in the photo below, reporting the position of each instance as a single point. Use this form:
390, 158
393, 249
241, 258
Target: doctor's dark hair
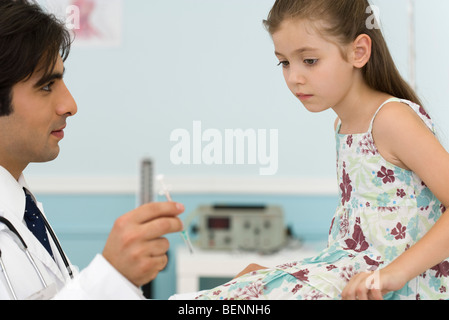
30, 41
345, 20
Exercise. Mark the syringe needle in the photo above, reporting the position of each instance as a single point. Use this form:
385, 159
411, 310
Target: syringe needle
166, 193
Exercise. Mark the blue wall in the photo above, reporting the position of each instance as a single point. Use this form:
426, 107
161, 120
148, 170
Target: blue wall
83, 223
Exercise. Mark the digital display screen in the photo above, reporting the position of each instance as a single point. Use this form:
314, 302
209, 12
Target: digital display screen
219, 223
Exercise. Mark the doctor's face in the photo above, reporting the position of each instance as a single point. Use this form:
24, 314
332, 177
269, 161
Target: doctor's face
33, 131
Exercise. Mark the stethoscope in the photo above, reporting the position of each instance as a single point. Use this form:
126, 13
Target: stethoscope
24, 247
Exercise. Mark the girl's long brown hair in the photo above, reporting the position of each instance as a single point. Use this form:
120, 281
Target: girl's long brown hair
346, 20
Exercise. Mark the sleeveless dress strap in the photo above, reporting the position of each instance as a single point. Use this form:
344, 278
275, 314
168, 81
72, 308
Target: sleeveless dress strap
372, 121
380, 108
419, 110
337, 130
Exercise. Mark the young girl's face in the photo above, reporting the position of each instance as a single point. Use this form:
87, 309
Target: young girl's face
314, 68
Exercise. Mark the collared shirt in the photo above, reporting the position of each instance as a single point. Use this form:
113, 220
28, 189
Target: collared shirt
99, 281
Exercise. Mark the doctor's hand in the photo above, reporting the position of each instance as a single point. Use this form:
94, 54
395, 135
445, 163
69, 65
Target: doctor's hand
136, 247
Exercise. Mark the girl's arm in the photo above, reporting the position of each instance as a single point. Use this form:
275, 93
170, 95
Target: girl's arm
403, 139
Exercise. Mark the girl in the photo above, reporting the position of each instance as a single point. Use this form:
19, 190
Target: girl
389, 238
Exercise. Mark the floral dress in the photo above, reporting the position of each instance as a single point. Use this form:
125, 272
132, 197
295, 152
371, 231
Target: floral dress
383, 211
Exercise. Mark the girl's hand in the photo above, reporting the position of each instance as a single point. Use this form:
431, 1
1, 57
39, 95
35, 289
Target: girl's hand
373, 285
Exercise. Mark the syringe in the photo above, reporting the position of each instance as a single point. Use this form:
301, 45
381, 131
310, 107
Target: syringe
164, 191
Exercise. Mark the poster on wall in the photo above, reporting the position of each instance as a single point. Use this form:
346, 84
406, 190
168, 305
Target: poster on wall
93, 22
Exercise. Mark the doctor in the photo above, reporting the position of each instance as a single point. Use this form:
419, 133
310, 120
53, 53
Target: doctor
34, 107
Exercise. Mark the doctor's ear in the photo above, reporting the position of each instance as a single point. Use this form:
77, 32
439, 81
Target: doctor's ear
361, 50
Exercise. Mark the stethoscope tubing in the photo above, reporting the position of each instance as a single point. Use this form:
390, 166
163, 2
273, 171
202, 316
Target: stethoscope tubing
13, 230
58, 245
8, 281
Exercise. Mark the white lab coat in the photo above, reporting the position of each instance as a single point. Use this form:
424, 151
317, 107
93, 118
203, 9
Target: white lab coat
99, 281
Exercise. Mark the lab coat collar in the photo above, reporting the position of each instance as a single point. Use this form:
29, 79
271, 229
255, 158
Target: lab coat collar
12, 195
13, 201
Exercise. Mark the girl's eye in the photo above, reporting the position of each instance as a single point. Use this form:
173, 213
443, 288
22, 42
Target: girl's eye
284, 64
310, 62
